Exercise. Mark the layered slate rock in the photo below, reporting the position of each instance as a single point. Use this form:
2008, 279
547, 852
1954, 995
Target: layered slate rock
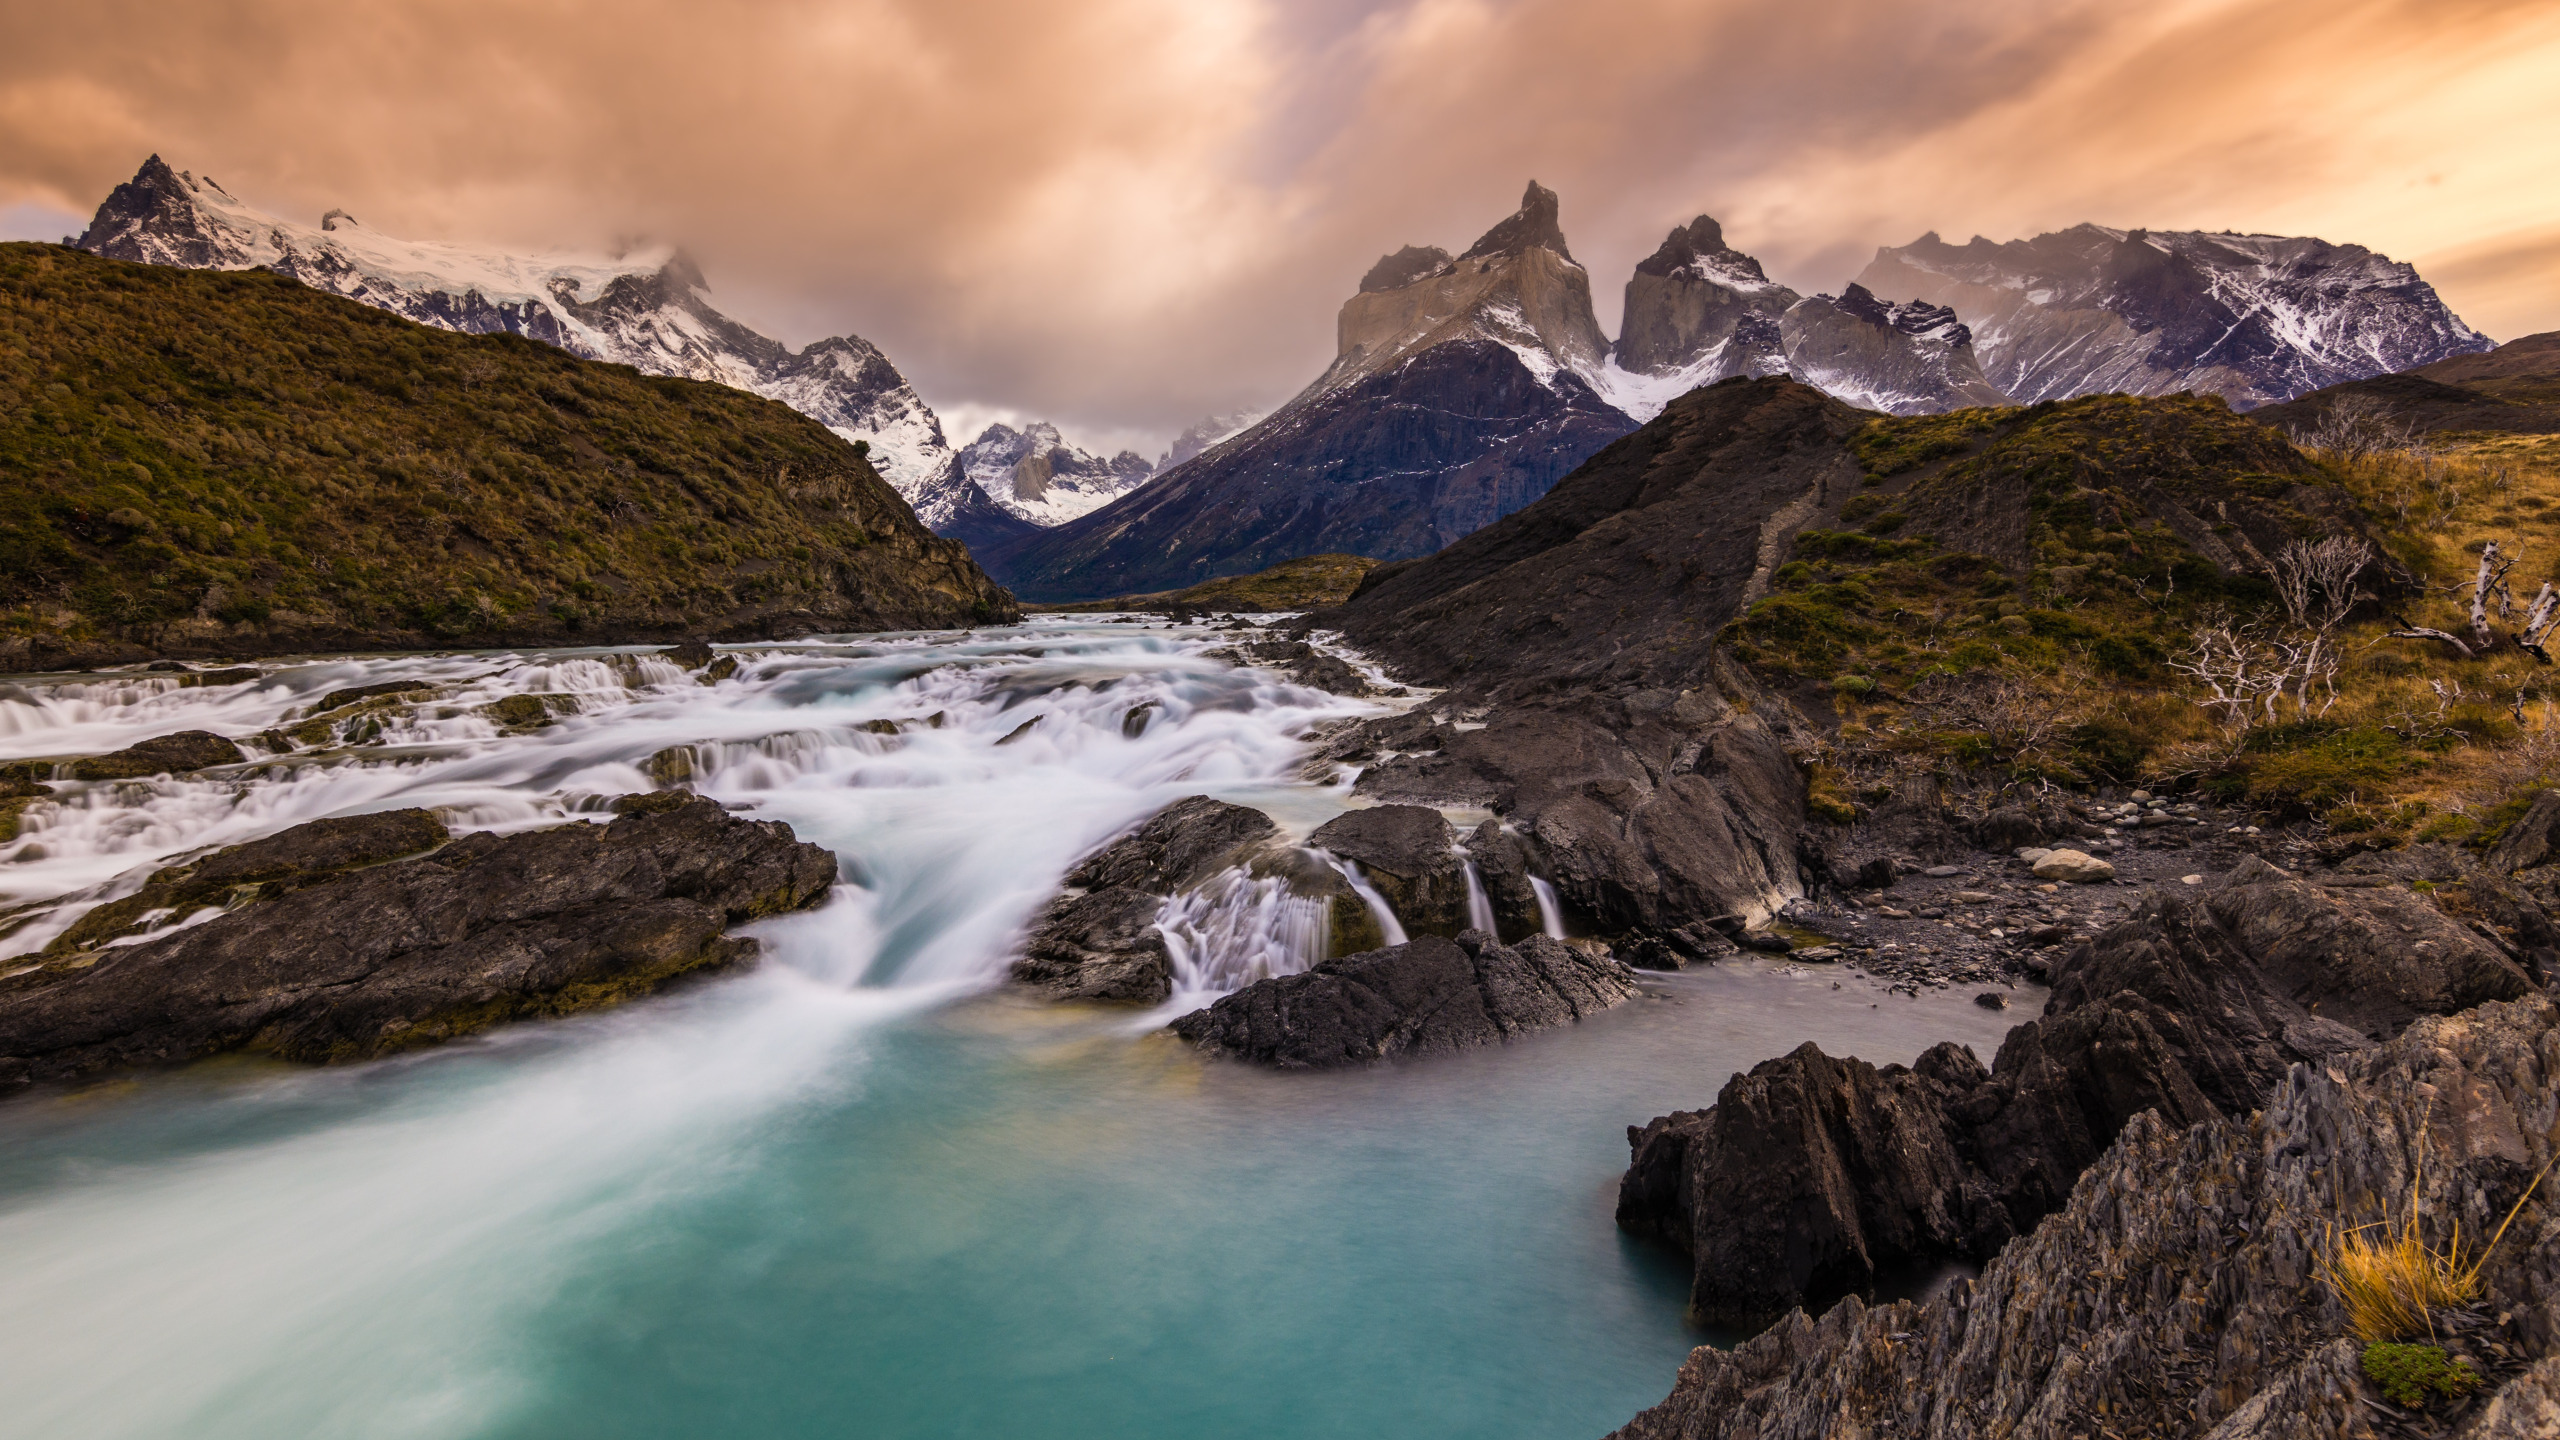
2174, 1292
1429, 996
1100, 941
1811, 1176
367, 962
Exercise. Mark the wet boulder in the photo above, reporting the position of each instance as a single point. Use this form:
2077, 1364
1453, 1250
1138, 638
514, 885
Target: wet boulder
1408, 854
1309, 666
288, 860
1178, 847
1102, 945
366, 962
1428, 996
1099, 940
162, 755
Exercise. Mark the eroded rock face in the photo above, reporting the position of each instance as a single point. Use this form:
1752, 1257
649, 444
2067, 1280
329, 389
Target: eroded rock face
1428, 996
1811, 1174
371, 961
2175, 1293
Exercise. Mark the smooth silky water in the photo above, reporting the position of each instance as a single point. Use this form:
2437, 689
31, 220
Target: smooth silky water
858, 1190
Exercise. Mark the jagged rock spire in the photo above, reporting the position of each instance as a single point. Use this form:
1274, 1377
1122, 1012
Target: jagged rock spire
1534, 225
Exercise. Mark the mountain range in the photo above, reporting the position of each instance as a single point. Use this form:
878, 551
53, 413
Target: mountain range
1462, 385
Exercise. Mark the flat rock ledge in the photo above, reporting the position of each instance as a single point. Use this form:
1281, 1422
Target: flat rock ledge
322, 964
1430, 996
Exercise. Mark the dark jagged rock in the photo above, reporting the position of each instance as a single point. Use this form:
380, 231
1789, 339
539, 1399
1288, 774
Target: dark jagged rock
1408, 855
363, 963
1102, 944
1178, 847
1309, 666
163, 755
1648, 813
1536, 225
2175, 1293
1808, 1177
1428, 996
288, 860
2193, 1009
1412, 263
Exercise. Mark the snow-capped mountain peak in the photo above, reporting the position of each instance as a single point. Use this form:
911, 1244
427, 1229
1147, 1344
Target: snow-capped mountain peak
2254, 318
649, 309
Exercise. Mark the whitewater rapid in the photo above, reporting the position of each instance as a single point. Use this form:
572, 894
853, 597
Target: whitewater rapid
338, 1251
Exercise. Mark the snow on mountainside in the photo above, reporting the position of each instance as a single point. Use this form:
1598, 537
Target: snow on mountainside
1035, 475
649, 310
1699, 311
2257, 319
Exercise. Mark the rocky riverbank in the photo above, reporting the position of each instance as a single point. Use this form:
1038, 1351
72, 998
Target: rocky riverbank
322, 946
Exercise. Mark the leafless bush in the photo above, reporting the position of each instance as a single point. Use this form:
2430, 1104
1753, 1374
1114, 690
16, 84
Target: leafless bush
2354, 428
2489, 589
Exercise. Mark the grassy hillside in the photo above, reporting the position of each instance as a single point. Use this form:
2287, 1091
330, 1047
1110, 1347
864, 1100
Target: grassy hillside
1301, 584
2052, 595
201, 463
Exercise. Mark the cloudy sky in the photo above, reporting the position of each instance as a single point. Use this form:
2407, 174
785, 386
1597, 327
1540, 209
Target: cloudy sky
1123, 214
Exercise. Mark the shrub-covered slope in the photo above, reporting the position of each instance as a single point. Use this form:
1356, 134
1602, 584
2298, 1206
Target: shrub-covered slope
199, 463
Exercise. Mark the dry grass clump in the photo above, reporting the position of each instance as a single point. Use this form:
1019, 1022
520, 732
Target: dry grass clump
2392, 1282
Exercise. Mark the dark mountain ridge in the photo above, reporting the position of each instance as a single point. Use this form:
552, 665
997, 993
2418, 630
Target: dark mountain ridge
230, 463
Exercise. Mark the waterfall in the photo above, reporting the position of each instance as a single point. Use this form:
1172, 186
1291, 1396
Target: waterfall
1479, 909
1379, 909
1550, 917
1236, 930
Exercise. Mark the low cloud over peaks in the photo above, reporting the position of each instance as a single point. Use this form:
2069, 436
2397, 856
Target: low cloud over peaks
1128, 213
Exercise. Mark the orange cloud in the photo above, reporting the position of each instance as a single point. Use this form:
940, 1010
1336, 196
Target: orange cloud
1126, 213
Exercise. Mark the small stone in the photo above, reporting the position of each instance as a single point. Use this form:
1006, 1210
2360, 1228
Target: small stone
1943, 872
1971, 897
2075, 867
2032, 853
2140, 795
1992, 1000
2190, 879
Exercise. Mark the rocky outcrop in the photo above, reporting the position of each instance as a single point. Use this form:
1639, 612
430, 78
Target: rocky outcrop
1647, 776
364, 962
1811, 1176
1099, 941
1409, 855
1426, 997
162, 755
289, 860
2176, 1292
1909, 359
1698, 305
